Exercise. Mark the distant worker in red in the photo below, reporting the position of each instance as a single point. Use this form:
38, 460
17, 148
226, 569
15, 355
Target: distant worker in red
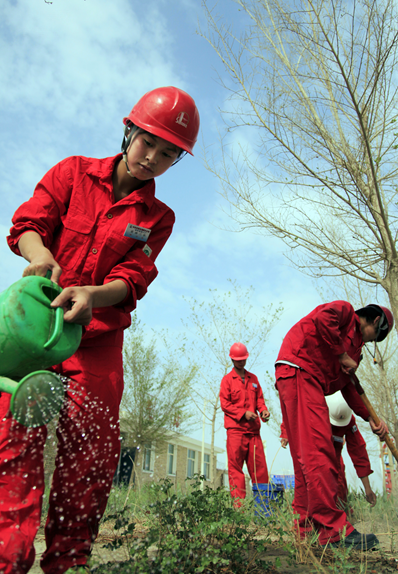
345, 430
243, 404
316, 358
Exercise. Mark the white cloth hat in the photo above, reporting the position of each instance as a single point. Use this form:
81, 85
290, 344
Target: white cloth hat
339, 412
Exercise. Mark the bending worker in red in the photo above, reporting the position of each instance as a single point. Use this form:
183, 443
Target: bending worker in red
98, 227
241, 399
316, 357
344, 429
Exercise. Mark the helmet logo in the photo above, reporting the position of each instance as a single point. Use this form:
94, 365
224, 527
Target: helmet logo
182, 119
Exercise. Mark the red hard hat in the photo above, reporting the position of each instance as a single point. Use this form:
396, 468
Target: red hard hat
168, 113
386, 322
238, 352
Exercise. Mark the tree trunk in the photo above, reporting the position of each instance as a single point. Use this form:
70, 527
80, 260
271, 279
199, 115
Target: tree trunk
213, 432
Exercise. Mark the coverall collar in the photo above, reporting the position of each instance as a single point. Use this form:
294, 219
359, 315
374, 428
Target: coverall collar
103, 170
236, 376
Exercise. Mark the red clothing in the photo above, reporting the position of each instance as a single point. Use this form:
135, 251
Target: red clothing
356, 448
283, 431
316, 341
342, 489
237, 397
87, 457
314, 345
246, 448
74, 211
306, 418
243, 436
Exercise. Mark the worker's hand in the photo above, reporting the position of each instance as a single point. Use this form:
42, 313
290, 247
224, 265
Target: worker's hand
41, 264
371, 498
347, 365
284, 442
265, 415
250, 416
77, 303
381, 430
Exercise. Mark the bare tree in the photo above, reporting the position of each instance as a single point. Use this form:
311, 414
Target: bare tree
155, 404
215, 325
313, 92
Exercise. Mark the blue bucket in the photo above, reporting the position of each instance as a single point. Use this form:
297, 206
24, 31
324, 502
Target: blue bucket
266, 498
287, 480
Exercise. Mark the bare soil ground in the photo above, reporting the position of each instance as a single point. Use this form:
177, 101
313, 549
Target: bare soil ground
305, 560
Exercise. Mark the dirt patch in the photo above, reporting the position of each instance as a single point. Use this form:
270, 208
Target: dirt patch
304, 560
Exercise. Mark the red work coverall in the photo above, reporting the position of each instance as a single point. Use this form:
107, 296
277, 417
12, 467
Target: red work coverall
314, 345
74, 211
356, 448
283, 431
243, 436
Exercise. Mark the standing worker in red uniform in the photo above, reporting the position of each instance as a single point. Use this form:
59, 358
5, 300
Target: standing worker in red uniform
316, 357
98, 227
345, 430
241, 400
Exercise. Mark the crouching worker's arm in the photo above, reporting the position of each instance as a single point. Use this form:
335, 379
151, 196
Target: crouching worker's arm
370, 495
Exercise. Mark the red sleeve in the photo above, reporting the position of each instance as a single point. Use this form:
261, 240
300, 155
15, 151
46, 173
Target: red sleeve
356, 448
42, 213
330, 320
354, 401
232, 410
283, 431
260, 403
138, 269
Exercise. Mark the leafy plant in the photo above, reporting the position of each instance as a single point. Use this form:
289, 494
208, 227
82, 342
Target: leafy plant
198, 532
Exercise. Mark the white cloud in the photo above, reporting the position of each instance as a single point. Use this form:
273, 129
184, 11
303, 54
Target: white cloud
70, 71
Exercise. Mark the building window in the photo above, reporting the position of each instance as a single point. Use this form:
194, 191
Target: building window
191, 463
148, 457
206, 466
171, 459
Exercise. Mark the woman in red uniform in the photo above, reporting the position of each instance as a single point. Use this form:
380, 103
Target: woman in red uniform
97, 225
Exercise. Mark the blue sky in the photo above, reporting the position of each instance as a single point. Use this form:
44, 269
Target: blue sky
70, 71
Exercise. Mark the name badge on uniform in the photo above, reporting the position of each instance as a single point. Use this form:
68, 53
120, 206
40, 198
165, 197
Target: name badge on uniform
354, 428
338, 438
254, 385
137, 232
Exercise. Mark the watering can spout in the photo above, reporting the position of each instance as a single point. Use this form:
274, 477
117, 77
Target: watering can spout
36, 399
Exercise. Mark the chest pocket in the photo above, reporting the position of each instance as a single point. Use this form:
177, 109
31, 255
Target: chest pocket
120, 244
235, 396
73, 240
252, 394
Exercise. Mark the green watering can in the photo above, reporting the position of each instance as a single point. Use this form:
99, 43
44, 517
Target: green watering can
33, 337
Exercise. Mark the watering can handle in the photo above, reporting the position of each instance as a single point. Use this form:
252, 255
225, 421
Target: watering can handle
59, 323
58, 328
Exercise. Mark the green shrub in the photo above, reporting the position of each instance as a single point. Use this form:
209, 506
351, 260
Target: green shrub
197, 532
